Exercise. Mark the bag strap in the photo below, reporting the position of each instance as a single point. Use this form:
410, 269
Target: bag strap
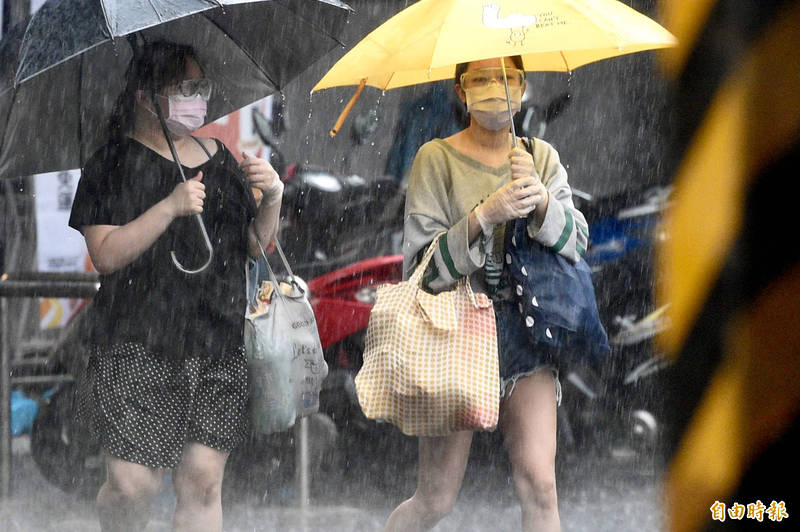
470, 293
419, 271
250, 298
271, 273
528, 143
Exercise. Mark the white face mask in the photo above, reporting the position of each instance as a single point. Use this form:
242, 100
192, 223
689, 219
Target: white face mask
186, 114
487, 105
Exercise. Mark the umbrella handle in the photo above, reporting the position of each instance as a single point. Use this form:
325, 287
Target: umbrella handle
508, 101
206, 241
347, 108
203, 231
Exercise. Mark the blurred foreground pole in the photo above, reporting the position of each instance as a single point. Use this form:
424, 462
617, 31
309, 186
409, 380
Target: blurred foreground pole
301, 463
5, 402
16, 11
730, 265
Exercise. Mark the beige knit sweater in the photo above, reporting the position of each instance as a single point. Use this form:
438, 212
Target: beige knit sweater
445, 185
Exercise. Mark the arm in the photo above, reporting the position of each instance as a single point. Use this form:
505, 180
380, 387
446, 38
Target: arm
428, 213
559, 225
112, 247
264, 226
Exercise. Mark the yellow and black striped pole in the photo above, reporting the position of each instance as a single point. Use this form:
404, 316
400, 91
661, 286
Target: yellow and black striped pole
730, 265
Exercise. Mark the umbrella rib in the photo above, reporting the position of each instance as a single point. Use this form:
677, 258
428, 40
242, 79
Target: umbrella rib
155, 10
106, 19
80, 108
314, 26
8, 118
15, 86
244, 50
61, 62
389, 81
21, 42
564, 58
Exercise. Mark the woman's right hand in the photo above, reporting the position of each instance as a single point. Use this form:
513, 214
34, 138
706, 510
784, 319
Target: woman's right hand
515, 199
187, 197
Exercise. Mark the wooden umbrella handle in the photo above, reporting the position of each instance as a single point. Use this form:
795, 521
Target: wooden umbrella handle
347, 108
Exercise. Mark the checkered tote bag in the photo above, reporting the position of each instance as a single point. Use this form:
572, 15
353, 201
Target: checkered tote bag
430, 361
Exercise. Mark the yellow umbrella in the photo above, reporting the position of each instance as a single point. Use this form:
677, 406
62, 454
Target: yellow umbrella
425, 41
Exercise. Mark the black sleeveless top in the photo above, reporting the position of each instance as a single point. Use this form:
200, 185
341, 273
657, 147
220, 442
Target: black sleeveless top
150, 301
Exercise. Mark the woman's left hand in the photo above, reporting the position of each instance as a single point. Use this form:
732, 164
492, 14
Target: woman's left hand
259, 173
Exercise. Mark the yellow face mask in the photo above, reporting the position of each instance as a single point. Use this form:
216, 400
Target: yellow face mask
487, 104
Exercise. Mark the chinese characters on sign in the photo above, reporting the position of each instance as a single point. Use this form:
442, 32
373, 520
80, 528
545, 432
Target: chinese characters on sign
776, 511
58, 247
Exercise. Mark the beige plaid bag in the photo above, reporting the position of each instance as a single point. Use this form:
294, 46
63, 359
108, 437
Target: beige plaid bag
430, 361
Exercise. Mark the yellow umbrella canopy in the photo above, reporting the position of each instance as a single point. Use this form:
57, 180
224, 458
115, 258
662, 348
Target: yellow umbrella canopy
424, 42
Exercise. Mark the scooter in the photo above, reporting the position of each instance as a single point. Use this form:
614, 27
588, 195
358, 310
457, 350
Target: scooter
331, 221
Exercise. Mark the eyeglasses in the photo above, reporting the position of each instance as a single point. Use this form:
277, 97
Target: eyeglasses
195, 87
483, 76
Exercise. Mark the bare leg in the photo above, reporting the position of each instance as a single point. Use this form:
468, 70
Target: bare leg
123, 502
442, 462
528, 422
198, 489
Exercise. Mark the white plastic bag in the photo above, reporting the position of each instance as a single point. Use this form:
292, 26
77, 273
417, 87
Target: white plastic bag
286, 366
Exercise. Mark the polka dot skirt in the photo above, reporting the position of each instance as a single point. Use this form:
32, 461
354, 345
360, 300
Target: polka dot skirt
144, 408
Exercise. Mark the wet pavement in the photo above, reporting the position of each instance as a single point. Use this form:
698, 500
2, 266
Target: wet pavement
597, 492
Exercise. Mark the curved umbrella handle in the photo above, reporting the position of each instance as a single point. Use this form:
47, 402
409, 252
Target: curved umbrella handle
199, 218
206, 241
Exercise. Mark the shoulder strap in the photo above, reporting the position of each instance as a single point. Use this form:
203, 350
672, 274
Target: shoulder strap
528, 142
203, 146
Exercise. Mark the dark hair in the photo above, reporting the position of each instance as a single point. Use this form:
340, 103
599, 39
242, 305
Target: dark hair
462, 67
152, 67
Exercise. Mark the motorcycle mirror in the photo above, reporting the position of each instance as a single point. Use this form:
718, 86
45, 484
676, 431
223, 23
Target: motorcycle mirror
532, 120
364, 126
557, 106
263, 128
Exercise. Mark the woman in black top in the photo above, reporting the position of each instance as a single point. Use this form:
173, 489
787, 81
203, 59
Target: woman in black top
167, 379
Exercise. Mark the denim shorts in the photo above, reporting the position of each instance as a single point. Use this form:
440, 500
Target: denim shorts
519, 357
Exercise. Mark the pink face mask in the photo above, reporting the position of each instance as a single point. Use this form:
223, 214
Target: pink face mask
186, 114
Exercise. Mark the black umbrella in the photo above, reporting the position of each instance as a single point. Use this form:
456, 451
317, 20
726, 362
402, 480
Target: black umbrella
62, 70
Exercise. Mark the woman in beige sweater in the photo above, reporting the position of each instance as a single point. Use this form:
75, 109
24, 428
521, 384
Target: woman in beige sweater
469, 185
